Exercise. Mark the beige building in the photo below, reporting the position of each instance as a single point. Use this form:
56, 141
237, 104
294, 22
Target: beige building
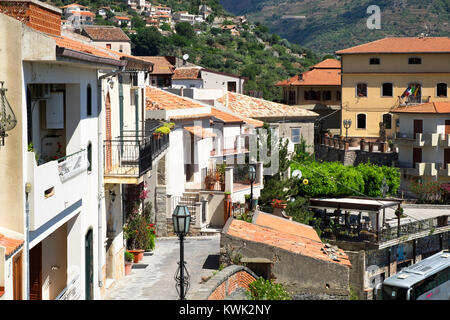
108, 37
391, 72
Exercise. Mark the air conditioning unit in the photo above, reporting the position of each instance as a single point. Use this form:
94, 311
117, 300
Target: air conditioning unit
40, 91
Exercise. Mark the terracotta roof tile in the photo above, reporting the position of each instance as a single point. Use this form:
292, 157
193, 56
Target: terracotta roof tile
327, 64
430, 107
161, 64
187, 73
402, 45
121, 18
10, 245
281, 224
225, 116
200, 132
191, 116
283, 240
157, 99
315, 77
105, 34
65, 42
253, 107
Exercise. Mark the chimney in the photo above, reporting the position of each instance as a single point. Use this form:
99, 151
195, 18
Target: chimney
35, 14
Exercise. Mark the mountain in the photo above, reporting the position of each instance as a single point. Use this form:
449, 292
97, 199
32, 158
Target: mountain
329, 25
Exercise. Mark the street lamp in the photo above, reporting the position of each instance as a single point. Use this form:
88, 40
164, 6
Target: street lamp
181, 218
252, 178
347, 124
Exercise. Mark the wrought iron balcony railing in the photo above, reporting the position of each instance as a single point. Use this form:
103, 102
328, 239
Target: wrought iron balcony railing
130, 155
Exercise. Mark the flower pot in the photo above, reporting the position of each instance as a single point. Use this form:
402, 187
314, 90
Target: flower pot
281, 206
138, 254
128, 266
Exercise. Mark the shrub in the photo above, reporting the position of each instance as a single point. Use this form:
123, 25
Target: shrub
163, 130
129, 256
263, 289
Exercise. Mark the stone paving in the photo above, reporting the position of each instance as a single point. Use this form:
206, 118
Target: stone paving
156, 280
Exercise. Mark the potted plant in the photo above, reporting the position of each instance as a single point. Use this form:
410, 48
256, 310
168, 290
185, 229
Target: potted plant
150, 238
210, 181
135, 231
276, 203
221, 170
129, 257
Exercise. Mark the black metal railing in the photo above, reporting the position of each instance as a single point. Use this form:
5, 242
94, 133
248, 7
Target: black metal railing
130, 155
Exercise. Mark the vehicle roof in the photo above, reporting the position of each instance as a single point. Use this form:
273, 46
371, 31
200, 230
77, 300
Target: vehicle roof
417, 272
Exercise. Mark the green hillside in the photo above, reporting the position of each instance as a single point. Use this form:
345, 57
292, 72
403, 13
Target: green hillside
328, 25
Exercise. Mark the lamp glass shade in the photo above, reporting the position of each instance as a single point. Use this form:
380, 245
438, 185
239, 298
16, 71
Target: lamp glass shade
181, 219
252, 173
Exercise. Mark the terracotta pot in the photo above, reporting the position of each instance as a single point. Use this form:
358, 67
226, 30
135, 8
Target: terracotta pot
128, 266
281, 206
138, 254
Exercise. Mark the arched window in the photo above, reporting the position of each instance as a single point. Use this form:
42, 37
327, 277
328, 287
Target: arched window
387, 120
89, 156
89, 100
361, 121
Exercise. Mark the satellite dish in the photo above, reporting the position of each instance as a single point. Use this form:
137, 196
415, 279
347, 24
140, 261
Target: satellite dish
185, 57
297, 174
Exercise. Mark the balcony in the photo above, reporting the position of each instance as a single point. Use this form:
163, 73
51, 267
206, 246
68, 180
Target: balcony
419, 140
128, 158
55, 186
411, 100
444, 172
429, 169
444, 140
237, 146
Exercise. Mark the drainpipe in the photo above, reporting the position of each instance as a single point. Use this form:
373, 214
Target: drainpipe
100, 194
27, 239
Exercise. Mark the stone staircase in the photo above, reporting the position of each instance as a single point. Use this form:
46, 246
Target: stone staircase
189, 199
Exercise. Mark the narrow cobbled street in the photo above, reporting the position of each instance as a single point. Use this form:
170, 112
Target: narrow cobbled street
153, 277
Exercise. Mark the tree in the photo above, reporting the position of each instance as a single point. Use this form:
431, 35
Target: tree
147, 42
185, 29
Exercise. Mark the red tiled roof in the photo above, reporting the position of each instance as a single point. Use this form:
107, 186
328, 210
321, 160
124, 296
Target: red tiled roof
187, 73
327, 64
281, 224
105, 33
158, 99
200, 132
83, 13
74, 5
430, 107
225, 116
10, 245
161, 64
121, 18
402, 45
283, 240
253, 107
64, 42
315, 77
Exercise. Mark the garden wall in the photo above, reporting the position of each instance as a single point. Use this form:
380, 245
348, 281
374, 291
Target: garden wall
353, 157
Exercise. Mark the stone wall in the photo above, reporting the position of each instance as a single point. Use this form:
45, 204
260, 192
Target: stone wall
232, 279
354, 157
296, 272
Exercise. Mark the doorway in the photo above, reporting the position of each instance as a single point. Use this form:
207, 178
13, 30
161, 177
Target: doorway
89, 265
36, 272
17, 277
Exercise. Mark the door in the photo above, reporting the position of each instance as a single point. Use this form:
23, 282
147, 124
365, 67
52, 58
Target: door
417, 156
36, 272
89, 266
446, 157
17, 277
418, 127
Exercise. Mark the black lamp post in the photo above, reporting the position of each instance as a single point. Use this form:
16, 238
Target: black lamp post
252, 178
181, 221
347, 124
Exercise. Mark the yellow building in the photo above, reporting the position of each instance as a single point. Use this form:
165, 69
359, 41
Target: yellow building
376, 76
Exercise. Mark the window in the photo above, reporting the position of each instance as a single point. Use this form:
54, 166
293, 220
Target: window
312, 95
89, 156
387, 120
361, 121
441, 90
295, 135
387, 90
361, 90
415, 60
338, 95
326, 95
374, 61
108, 45
89, 100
